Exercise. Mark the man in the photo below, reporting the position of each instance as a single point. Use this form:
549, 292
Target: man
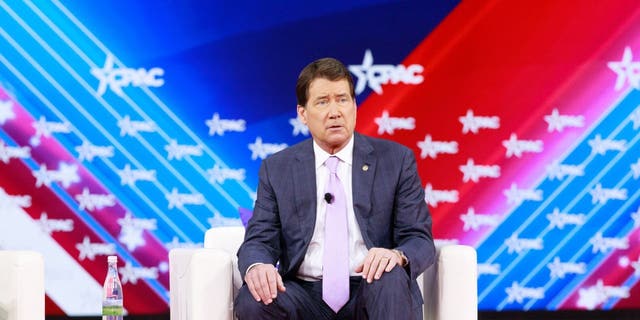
340, 228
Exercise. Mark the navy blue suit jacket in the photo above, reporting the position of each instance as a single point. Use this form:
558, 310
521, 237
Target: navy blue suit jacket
388, 202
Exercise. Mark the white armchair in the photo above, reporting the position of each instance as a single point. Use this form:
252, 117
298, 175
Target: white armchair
21, 285
205, 281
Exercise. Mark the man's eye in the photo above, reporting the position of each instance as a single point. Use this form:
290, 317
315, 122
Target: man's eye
321, 102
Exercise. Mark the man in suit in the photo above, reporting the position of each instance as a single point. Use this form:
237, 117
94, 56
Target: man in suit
340, 228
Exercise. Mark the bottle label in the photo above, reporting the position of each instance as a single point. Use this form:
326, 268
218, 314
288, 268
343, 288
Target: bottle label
112, 308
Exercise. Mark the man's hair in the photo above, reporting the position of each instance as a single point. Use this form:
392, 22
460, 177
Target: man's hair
327, 68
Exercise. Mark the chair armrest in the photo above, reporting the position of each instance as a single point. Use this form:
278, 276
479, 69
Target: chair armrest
201, 285
450, 285
21, 285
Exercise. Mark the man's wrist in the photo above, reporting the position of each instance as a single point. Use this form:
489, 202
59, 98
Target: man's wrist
403, 259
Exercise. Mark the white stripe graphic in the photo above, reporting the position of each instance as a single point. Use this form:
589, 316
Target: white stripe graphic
72, 288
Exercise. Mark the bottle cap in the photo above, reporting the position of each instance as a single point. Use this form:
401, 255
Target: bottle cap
112, 259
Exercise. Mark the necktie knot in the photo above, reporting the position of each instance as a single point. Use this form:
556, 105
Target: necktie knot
332, 164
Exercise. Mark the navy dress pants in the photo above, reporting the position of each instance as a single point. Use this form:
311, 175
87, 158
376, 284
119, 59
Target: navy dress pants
389, 297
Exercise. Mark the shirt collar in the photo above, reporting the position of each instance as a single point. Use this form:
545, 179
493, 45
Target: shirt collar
346, 154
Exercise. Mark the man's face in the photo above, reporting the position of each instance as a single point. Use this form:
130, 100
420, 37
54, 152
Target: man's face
330, 113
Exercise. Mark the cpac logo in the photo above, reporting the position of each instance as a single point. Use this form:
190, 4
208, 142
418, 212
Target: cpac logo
517, 293
433, 197
558, 122
518, 245
600, 146
472, 221
7, 152
131, 274
6, 111
219, 175
602, 196
431, 148
131, 128
50, 226
298, 127
635, 168
179, 151
471, 123
381, 74
88, 151
558, 269
559, 219
517, 196
129, 177
595, 295
390, 124
131, 233
263, 150
559, 171
45, 128
473, 172
516, 147
488, 269
634, 117
91, 201
66, 175
178, 200
602, 244
626, 69
176, 244
116, 79
7, 200
220, 126
89, 250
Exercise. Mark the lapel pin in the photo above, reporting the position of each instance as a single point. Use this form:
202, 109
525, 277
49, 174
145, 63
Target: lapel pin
365, 167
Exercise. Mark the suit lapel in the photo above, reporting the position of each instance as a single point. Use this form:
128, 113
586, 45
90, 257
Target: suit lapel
304, 173
364, 167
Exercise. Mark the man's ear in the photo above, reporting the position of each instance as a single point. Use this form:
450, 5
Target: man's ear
302, 114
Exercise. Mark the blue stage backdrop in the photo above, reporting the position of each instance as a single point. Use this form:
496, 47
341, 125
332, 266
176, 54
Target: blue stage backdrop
131, 127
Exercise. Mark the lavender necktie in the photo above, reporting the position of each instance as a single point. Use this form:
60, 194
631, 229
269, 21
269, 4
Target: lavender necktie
335, 262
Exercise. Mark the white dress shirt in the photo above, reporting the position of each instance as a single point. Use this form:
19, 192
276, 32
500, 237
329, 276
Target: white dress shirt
311, 267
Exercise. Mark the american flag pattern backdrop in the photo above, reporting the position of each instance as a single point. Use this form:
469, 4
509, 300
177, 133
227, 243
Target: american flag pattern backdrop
132, 128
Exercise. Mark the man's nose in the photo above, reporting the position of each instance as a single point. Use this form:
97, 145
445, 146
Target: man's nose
334, 109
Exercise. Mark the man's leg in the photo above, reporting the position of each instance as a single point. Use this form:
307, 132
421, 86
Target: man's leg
386, 298
295, 303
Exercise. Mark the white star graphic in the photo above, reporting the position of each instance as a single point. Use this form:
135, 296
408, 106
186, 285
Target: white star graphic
42, 176
361, 72
68, 174
6, 111
42, 129
299, 127
626, 69
214, 125
85, 250
555, 121
384, 123
126, 176
257, 149
468, 122
469, 171
130, 234
427, 148
469, 219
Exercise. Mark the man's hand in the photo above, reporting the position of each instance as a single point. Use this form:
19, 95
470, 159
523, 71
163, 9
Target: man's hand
377, 261
264, 282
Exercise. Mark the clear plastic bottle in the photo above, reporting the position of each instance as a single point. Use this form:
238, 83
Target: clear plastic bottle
112, 307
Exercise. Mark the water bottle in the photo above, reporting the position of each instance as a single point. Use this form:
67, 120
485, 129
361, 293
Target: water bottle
112, 308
